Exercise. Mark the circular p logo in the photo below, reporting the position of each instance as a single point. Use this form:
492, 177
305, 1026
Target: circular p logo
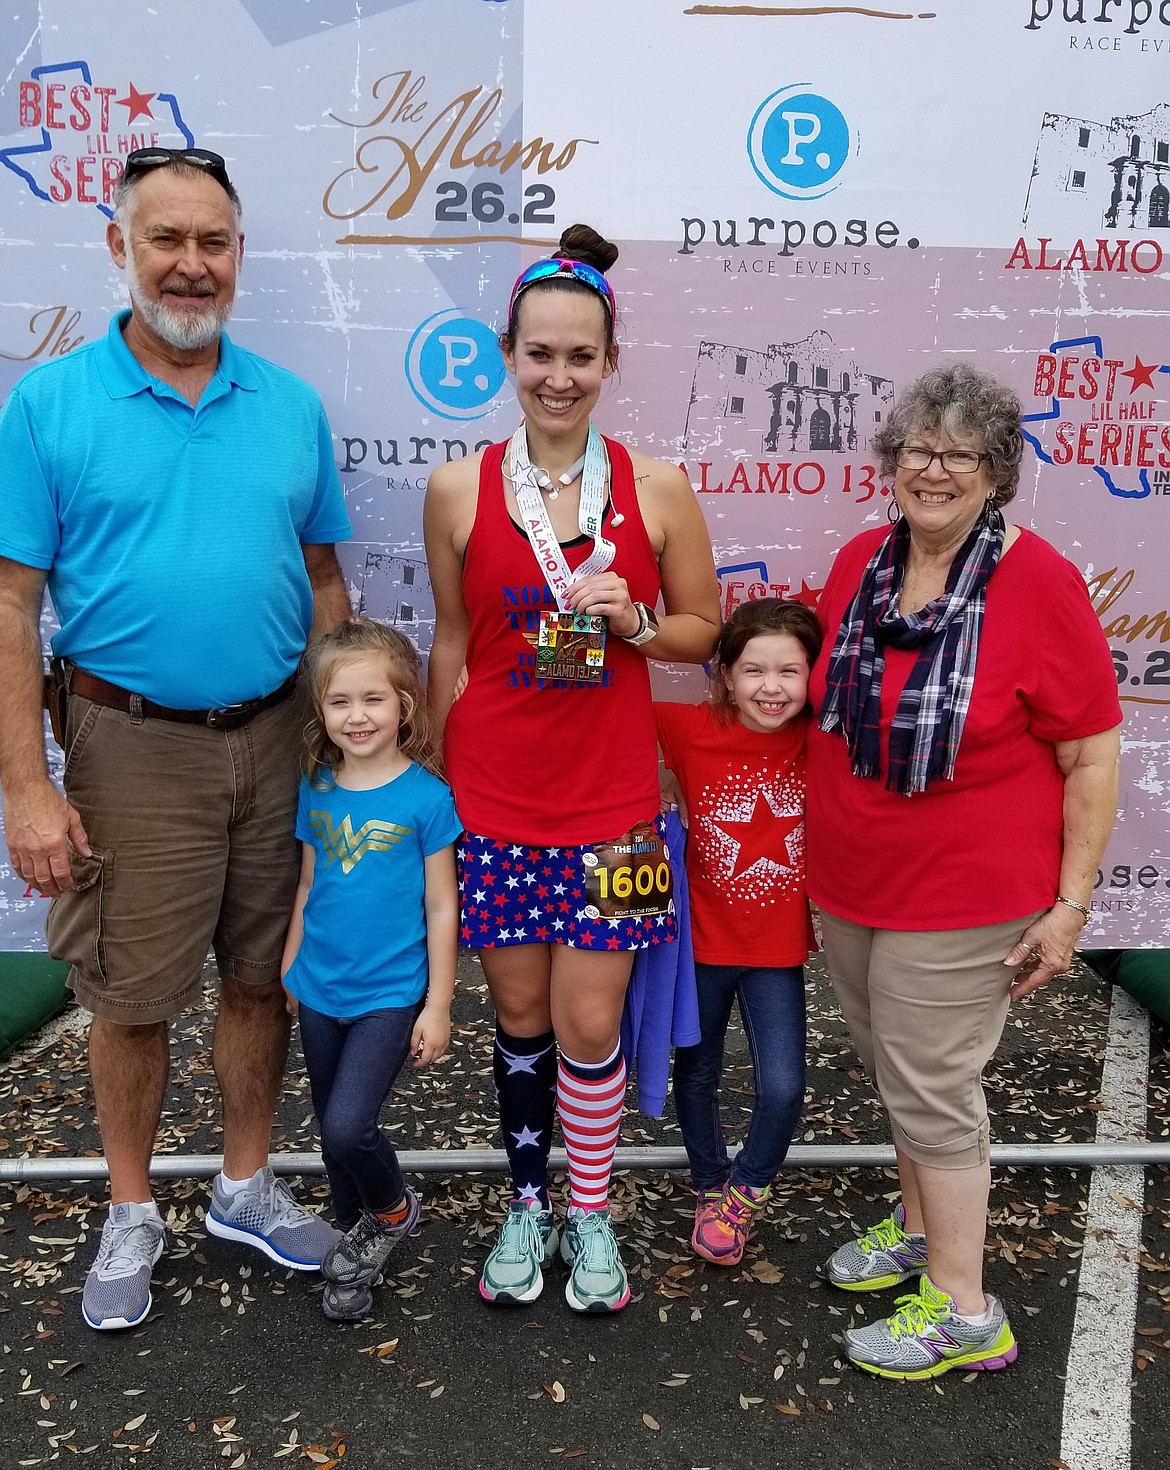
798, 143
454, 366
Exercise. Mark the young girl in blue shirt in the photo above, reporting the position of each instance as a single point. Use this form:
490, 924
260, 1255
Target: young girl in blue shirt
369, 962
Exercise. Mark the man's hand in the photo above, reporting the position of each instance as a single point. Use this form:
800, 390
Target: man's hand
41, 827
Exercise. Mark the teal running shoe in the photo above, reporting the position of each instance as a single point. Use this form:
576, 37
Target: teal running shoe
597, 1279
513, 1274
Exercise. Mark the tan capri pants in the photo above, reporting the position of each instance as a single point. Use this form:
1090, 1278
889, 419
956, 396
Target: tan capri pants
926, 1011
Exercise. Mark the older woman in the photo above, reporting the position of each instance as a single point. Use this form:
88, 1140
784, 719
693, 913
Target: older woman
967, 754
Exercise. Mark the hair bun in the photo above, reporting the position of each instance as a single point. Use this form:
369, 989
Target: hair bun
582, 242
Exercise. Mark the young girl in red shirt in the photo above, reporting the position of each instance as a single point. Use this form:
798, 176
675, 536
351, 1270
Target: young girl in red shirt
739, 760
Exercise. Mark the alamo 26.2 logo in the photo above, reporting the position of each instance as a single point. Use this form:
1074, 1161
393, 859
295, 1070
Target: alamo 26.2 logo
78, 131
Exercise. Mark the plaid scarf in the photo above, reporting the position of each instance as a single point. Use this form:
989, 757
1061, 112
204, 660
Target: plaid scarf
931, 713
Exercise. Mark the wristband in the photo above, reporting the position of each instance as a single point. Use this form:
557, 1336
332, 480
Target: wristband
1080, 907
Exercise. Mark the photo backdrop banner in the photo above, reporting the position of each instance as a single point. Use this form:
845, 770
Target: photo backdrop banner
813, 204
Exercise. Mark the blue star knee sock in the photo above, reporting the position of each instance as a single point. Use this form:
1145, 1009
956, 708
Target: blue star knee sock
525, 1070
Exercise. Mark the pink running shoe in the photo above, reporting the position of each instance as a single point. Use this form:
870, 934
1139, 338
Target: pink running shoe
723, 1226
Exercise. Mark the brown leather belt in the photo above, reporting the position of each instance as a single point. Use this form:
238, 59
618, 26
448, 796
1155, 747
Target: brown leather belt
229, 717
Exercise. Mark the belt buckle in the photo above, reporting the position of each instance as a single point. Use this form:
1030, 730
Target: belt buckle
227, 717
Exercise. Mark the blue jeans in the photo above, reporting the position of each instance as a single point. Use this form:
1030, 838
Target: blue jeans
352, 1065
771, 1006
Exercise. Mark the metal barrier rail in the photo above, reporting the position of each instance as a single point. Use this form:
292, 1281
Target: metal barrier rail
494, 1161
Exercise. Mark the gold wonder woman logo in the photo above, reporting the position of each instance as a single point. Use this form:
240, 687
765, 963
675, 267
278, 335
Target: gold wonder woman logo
350, 846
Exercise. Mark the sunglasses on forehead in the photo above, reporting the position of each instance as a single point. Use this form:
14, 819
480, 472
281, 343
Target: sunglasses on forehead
142, 160
577, 270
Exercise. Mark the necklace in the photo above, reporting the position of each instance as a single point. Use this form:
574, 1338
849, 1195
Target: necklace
544, 481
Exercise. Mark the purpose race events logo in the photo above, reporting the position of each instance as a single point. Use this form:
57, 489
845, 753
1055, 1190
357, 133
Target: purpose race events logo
454, 365
799, 142
83, 132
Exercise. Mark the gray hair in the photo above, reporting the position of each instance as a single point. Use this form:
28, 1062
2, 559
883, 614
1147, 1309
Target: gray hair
967, 404
123, 196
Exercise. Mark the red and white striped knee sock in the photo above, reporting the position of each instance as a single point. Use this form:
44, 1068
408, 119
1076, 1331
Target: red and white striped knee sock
589, 1100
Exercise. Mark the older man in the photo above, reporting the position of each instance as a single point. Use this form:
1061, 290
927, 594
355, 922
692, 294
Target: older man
180, 498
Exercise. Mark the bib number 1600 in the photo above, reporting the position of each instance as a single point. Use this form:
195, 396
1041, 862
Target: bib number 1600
623, 883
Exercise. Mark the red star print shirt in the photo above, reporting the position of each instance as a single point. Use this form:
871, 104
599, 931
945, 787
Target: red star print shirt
745, 848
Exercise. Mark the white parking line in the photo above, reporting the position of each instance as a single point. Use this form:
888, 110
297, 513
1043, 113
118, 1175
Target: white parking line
1095, 1428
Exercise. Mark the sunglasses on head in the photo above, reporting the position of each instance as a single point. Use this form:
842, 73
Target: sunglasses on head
544, 270
142, 160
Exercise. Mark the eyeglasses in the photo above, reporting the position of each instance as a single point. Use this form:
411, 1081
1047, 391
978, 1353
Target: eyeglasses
954, 461
544, 270
142, 160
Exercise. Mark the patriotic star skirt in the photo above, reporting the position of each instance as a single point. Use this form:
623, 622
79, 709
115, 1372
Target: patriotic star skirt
513, 894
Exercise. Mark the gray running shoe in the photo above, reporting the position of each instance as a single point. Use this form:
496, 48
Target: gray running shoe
117, 1289
597, 1279
266, 1216
885, 1255
347, 1303
360, 1254
513, 1274
925, 1337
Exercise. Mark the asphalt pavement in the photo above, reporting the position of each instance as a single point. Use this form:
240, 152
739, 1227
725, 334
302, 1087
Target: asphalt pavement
737, 1369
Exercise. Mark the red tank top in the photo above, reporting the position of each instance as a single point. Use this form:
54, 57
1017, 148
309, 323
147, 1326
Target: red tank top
549, 764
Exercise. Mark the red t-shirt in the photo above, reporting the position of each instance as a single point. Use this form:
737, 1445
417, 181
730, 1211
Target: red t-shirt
985, 847
745, 846
540, 762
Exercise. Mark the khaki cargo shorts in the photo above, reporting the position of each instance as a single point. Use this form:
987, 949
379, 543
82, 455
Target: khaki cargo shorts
193, 846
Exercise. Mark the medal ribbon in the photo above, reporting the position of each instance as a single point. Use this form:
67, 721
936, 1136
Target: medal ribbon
538, 527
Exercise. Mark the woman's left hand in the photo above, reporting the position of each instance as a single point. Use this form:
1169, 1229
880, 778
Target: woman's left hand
1046, 949
605, 594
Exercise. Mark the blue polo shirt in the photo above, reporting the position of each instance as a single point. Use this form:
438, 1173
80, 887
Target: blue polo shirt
171, 534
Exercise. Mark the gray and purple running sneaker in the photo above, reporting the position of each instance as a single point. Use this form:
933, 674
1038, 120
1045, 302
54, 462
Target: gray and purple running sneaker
886, 1255
926, 1337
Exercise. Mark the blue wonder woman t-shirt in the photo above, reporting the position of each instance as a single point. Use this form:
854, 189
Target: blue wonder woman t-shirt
365, 941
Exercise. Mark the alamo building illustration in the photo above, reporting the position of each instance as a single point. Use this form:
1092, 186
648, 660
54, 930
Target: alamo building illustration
1112, 175
787, 398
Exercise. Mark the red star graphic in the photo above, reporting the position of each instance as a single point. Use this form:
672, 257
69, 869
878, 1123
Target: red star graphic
1141, 375
613, 942
761, 836
136, 103
808, 595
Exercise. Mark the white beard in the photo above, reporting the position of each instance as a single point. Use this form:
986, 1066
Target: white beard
179, 329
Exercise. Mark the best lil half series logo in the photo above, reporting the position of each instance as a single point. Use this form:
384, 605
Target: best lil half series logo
80, 131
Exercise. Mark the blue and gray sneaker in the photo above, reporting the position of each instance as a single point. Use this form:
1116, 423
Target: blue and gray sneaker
926, 1337
884, 1256
265, 1215
597, 1279
513, 1274
117, 1289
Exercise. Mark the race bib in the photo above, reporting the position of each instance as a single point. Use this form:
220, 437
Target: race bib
629, 878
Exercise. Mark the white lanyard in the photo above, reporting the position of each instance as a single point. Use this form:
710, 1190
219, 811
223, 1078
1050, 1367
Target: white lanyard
537, 526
